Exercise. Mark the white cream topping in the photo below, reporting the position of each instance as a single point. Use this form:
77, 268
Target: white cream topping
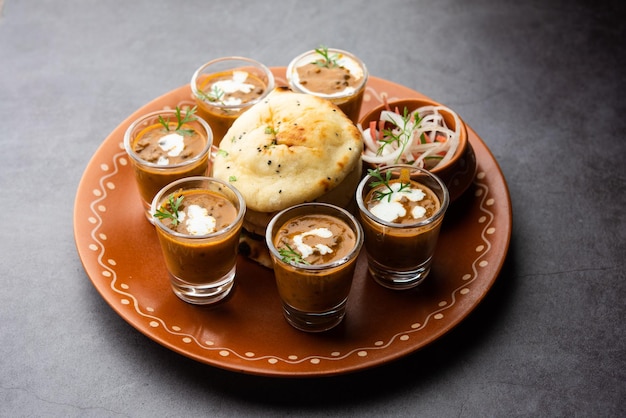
418, 212
355, 69
237, 83
388, 211
306, 250
390, 208
173, 144
198, 221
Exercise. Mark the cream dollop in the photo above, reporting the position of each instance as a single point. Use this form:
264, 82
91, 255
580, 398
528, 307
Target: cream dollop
306, 250
390, 207
197, 220
173, 144
237, 83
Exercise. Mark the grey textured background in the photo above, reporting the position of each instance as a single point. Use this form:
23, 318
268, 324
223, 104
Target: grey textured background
542, 83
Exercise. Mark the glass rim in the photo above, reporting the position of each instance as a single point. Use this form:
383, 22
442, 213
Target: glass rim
443, 205
205, 150
269, 239
159, 196
293, 65
265, 69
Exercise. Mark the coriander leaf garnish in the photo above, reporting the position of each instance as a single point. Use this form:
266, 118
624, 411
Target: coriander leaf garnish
291, 256
174, 204
327, 60
403, 137
232, 178
180, 121
385, 181
222, 153
215, 95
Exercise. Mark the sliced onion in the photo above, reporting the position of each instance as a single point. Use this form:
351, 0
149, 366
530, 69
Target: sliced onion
431, 124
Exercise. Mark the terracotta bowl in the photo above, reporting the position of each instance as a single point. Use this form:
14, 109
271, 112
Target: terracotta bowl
458, 173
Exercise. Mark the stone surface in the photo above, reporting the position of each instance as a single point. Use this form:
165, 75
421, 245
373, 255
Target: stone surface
542, 84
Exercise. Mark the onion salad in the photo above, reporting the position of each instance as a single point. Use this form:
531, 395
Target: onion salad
420, 138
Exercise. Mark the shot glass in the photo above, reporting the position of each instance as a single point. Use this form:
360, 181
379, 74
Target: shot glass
198, 221
226, 87
332, 74
401, 209
314, 249
162, 150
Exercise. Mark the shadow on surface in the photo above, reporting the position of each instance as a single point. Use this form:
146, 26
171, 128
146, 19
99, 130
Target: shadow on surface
429, 367
405, 375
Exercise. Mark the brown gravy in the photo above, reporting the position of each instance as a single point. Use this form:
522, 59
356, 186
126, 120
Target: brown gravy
217, 206
146, 144
341, 240
430, 202
218, 96
325, 80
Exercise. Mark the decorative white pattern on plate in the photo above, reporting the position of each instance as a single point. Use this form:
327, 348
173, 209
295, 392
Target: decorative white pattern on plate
108, 181
118, 250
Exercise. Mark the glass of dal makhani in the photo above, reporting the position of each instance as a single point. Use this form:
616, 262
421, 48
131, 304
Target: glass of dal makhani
401, 208
165, 146
314, 249
198, 221
226, 87
331, 74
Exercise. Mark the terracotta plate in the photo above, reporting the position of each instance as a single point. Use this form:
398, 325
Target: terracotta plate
121, 256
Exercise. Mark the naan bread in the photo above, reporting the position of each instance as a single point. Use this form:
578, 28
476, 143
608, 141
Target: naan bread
254, 247
289, 149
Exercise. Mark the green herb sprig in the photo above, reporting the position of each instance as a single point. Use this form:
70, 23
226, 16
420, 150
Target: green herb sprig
384, 181
174, 203
215, 95
401, 138
328, 60
180, 120
291, 256
270, 130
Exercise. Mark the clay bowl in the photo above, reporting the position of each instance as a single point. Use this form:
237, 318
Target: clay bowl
458, 173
